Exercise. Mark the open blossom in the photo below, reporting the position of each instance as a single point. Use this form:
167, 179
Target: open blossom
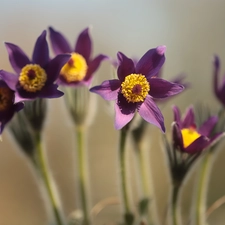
7, 104
219, 90
34, 78
189, 138
80, 67
136, 88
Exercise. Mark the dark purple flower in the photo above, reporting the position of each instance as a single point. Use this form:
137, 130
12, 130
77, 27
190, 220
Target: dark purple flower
34, 78
7, 104
190, 139
80, 68
136, 88
218, 89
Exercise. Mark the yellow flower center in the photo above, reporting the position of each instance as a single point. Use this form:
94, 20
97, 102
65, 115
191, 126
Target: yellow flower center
189, 136
75, 69
135, 88
6, 98
32, 78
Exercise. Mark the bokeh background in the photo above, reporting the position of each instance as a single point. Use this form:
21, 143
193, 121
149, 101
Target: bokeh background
193, 32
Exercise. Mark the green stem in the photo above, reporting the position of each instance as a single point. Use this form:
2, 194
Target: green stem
200, 204
43, 168
122, 164
175, 193
82, 167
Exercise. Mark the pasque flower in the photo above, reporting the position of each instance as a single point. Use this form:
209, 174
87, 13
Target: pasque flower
218, 89
34, 78
7, 104
136, 88
187, 137
80, 67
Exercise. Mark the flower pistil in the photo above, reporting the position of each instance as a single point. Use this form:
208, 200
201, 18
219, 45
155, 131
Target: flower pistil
6, 98
75, 69
189, 135
135, 88
32, 78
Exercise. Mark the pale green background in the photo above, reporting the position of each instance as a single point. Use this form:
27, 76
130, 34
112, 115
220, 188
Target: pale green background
192, 31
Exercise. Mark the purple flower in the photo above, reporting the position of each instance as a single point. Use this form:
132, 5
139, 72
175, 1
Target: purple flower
136, 87
34, 78
218, 89
187, 137
7, 105
80, 67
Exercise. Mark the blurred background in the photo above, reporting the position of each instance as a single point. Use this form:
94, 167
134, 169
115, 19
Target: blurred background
193, 32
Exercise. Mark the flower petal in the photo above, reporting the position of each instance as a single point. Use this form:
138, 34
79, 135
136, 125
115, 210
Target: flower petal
50, 91
208, 126
9, 78
84, 44
17, 57
41, 51
108, 89
160, 88
124, 112
59, 42
189, 118
177, 137
18, 106
126, 66
198, 145
177, 117
54, 67
150, 112
151, 62
93, 66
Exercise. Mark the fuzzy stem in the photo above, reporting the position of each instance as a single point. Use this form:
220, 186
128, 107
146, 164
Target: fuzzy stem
43, 168
202, 186
175, 193
123, 176
82, 173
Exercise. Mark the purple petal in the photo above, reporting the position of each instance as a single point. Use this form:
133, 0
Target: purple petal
124, 112
177, 136
41, 51
54, 67
189, 118
126, 66
179, 79
50, 91
160, 88
208, 126
150, 112
93, 66
108, 89
84, 44
177, 117
216, 138
18, 106
151, 62
198, 145
59, 42
17, 57
10, 79
18, 98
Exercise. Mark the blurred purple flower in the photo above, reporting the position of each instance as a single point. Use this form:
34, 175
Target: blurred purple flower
187, 137
80, 68
218, 89
34, 78
7, 105
136, 87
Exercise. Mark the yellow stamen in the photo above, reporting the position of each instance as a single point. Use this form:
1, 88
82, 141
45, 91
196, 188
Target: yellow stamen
75, 69
6, 98
135, 88
32, 78
189, 136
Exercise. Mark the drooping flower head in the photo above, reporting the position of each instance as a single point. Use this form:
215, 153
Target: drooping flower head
189, 138
80, 67
34, 78
219, 90
136, 87
7, 105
